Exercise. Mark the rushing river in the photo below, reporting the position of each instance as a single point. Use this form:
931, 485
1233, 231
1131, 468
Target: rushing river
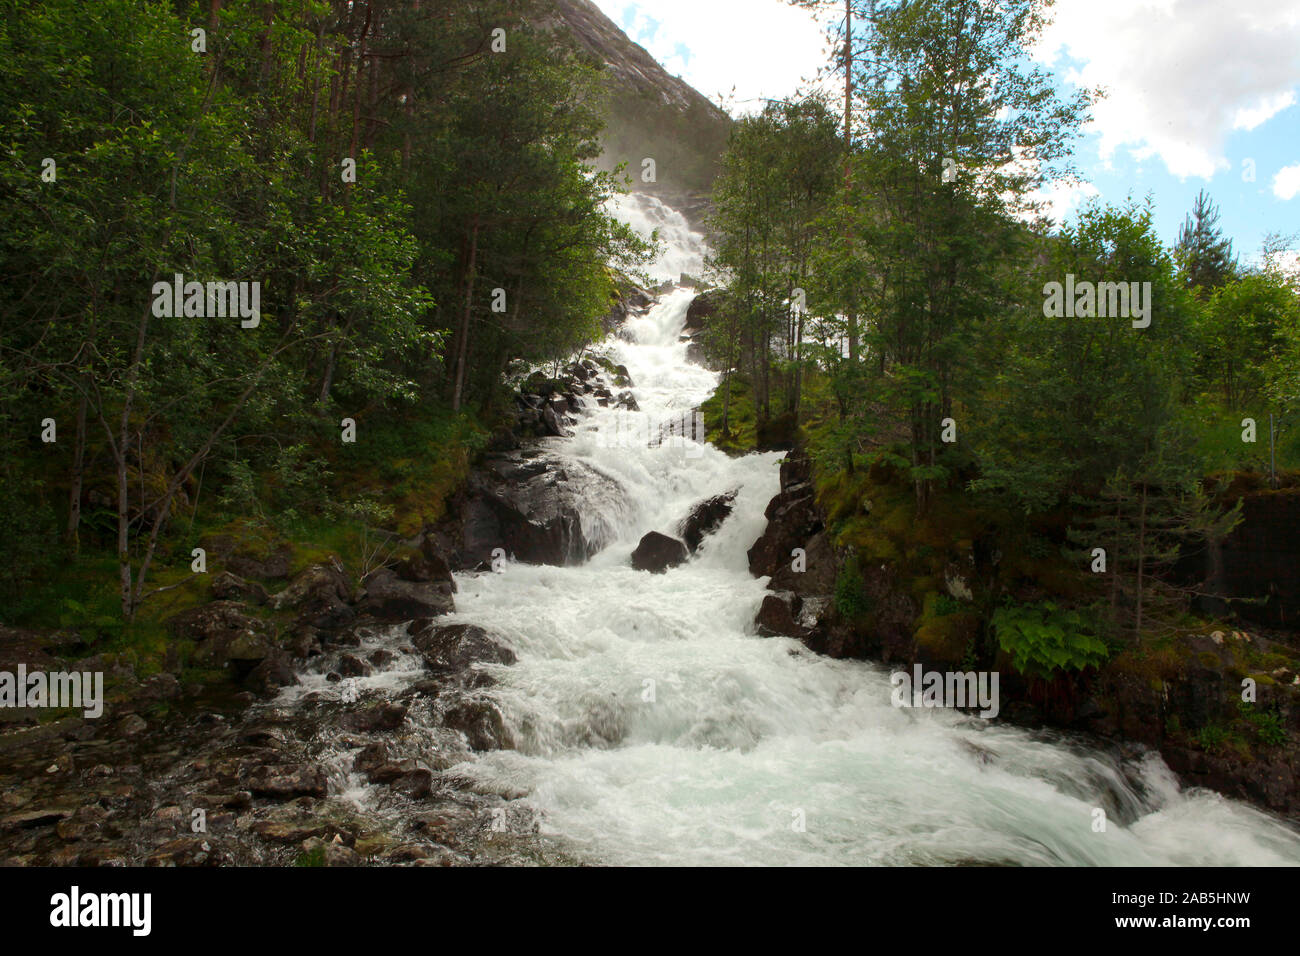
651, 725
654, 727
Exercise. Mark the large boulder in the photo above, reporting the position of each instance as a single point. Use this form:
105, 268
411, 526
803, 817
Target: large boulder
555, 416
531, 508
793, 517
389, 599
481, 723
454, 647
224, 632
657, 553
705, 518
284, 783
776, 616
320, 594
231, 587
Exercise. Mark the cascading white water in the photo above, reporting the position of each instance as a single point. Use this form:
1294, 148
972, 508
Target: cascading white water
653, 726
684, 249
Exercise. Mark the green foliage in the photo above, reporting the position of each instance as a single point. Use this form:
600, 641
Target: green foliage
851, 598
226, 167
1212, 738
945, 605
776, 180
313, 857
1044, 639
1204, 253
1268, 723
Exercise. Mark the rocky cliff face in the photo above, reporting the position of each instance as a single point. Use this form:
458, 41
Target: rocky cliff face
652, 114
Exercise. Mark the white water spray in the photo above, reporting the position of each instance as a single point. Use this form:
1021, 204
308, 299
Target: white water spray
654, 727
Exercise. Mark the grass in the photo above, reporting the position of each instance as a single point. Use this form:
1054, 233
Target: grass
742, 419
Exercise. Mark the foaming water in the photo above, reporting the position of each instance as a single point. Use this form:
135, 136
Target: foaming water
684, 248
653, 726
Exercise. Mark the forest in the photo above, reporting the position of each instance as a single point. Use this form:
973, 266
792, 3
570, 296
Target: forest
893, 299
407, 188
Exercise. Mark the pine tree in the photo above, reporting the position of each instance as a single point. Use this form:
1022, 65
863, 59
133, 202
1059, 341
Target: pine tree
1204, 254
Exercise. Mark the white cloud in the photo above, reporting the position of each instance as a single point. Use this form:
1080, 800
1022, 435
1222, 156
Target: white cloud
762, 48
1181, 74
1248, 118
1062, 198
1286, 184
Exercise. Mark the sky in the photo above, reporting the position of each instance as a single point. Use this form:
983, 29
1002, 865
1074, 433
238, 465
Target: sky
1201, 94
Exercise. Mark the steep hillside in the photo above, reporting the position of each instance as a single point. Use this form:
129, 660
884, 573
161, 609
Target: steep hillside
651, 114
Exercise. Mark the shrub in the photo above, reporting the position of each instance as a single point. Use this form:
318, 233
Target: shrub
851, 598
1043, 639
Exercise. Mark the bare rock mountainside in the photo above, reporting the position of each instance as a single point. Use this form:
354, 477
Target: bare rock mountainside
652, 114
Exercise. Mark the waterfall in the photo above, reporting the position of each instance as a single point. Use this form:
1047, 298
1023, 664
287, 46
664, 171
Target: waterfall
653, 726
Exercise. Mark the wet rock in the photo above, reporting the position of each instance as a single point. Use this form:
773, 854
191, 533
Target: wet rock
408, 852
481, 723
350, 666
531, 507
289, 831
274, 671
372, 757
376, 718
456, 647
657, 553
555, 417
331, 854
430, 565
186, 851
103, 856
776, 616
705, 518
819, 564
405, 776
239, 800
792, 519
86, 823
627, 401
389, 599
38, 817
286, 782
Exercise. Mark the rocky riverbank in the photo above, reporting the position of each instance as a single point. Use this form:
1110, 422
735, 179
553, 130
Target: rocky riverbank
1181, 696
336, 706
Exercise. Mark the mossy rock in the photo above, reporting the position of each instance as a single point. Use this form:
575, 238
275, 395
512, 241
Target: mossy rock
872, 543
944, 639
922, 589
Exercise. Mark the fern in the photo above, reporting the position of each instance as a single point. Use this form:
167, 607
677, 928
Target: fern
1043, 639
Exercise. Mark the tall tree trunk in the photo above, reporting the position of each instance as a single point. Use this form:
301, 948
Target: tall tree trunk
1141, 556
72, 537
462, 335
851, 316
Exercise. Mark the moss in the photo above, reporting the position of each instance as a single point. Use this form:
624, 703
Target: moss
313, 857
742, 419
867, 540
921, 587
944, 638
